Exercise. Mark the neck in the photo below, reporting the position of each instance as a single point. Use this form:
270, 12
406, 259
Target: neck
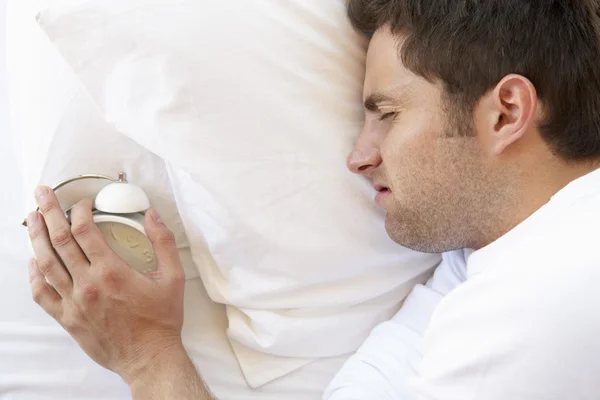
531, 191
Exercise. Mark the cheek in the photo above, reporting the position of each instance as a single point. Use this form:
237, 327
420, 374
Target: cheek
408, 153
417, 165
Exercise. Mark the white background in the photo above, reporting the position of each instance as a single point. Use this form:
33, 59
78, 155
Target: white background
3, 106
8, 191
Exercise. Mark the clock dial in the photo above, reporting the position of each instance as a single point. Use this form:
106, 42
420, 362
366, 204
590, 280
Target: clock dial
130, 244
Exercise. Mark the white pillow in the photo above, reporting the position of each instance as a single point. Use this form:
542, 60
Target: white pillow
253, 105
59, 133
44, 93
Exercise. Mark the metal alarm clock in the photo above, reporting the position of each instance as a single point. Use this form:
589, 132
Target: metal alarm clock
119, 209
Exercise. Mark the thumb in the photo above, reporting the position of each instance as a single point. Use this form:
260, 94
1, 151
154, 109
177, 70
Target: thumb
163, 243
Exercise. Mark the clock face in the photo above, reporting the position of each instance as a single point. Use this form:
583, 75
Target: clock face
130, 244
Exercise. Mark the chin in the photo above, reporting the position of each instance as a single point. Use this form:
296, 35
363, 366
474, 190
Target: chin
418, 241
399, 230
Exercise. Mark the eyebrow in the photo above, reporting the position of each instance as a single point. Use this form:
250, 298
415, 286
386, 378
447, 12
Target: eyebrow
374, 100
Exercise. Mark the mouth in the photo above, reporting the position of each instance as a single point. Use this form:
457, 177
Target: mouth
382, 193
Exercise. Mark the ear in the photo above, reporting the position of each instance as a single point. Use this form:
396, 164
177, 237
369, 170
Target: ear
512, 111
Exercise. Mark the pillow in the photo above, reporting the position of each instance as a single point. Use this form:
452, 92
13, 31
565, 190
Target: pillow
253, 106
59, 133
30, 341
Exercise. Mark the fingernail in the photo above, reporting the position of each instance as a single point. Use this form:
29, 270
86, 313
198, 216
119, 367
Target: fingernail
41, 192
32, 219
155, 216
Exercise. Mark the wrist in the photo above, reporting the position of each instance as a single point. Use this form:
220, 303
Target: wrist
170, 374
152, 359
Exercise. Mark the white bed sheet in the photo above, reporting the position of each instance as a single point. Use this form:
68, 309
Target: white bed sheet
3, 97
38, 360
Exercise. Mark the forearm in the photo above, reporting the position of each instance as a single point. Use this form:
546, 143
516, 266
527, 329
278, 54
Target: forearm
171, 377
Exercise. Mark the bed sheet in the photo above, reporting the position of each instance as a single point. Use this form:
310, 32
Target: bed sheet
3, 98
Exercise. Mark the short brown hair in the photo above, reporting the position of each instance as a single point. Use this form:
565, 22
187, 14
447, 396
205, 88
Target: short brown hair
470, 45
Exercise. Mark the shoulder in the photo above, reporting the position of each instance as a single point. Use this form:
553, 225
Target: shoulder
525, 323
521, 328
529, 292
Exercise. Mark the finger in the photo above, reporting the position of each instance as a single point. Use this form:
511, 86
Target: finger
42, 293
47, 260
164, 245
88, 236
59, 230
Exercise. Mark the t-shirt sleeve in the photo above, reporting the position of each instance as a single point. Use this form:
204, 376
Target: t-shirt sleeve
388, 360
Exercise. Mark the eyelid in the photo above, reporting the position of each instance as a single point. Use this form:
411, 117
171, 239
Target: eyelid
387, 115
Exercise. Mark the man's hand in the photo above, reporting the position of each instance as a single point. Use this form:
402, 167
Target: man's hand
124, 320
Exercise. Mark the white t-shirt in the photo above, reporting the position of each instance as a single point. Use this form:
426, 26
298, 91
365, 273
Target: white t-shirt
518, 319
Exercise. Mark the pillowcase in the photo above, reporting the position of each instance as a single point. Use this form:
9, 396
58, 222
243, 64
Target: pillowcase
253, 106
45, 95
59, 132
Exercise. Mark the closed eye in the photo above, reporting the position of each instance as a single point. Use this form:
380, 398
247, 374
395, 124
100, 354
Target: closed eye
386, 116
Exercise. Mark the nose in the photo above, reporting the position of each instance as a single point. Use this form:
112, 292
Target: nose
365, 156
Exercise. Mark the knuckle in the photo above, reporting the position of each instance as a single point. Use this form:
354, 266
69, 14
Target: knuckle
47, 206
61, 237
89, 293
94, 253
83, 207
63, 281
177, 277
35, 232
72, 320
166, 238
81, 228
45, 266
111, 277
68, 324
37, 293
108, 274
32, 278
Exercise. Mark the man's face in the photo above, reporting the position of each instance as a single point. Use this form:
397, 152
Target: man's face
423, 170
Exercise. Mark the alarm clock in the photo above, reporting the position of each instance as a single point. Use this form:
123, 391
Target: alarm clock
119, 208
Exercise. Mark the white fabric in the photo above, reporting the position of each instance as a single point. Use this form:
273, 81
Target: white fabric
38, 359
253, 105
60, 133
387, 363
3, 97
524, 325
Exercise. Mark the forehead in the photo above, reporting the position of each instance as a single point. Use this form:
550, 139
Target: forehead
384, 69
387, 75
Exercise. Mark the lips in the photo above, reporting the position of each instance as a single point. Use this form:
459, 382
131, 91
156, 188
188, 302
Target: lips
382, 193
379, 187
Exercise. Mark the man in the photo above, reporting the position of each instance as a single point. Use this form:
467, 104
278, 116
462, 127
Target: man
482, 131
